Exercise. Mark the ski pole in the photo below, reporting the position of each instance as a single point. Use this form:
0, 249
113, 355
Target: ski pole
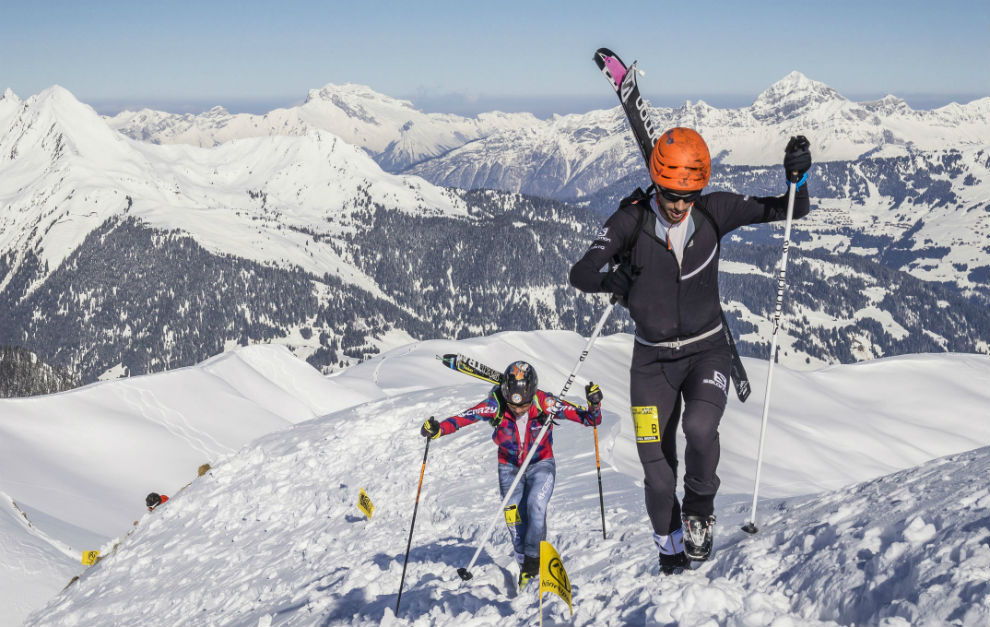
465, 573
601, 494
413, 525
750, 527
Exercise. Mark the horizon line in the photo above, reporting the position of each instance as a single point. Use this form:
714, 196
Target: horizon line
460, 104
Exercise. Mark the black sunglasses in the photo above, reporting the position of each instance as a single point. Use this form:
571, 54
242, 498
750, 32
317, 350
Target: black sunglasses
673, 196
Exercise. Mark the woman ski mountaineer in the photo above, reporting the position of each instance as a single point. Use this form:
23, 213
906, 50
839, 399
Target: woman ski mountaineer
517, 411
666, 245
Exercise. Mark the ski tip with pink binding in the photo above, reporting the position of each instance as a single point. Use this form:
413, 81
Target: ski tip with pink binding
611, 66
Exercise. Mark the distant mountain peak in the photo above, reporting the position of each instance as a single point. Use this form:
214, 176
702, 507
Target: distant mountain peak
348, 92
798, 86
797, 78
793, 95
62, 104
887, 105
57, 92
8, 94
695, 106
54, 126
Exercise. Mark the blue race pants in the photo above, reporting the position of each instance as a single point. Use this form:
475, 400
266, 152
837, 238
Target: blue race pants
526, 510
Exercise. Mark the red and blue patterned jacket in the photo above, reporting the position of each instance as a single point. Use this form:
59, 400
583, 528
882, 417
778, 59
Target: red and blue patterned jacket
496, 413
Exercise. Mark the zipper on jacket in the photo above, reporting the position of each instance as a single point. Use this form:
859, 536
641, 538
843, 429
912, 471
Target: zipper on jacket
680, 282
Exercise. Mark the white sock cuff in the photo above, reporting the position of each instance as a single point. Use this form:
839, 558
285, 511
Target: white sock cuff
671, 544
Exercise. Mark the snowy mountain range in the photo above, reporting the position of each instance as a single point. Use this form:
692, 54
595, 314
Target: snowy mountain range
274, 528
138, 251
843, 130
120, 256
916, 181
393, 131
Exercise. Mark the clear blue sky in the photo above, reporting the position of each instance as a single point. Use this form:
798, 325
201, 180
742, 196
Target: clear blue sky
467, 56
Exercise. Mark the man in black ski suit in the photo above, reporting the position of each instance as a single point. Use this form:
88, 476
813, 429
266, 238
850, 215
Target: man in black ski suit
666, 244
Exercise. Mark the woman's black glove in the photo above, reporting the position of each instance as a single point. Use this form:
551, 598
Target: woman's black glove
797, 158
594, 394
430, 429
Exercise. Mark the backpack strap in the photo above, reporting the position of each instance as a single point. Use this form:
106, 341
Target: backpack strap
702, 209
637, 202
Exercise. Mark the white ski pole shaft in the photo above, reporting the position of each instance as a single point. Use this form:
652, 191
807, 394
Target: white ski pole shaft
750, 527
465, 573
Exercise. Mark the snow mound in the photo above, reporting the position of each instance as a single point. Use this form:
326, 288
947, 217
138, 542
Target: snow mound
911, 548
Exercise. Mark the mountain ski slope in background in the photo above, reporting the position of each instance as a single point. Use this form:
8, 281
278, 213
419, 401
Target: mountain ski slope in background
275, 523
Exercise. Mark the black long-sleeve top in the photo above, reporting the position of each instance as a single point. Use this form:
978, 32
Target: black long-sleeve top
669, 301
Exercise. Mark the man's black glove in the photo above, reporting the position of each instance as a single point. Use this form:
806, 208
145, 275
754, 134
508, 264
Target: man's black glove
797, 158
594, 394
430, 429
620, 280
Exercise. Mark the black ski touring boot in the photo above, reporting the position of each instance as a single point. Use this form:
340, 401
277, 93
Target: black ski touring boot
674, 564
528, 569
699, 533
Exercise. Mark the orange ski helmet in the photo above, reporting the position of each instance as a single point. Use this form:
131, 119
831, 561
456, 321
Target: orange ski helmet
680, 161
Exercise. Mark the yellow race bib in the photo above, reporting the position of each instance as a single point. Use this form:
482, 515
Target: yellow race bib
512, 516
647, 423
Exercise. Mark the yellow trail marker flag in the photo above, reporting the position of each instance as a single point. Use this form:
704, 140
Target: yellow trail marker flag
553, 577
364, 504
89, 557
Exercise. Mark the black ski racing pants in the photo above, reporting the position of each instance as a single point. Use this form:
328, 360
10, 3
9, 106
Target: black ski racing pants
662, 381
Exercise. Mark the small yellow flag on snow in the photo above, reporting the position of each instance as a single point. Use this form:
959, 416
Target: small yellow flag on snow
89, 557
364, 504
553, 577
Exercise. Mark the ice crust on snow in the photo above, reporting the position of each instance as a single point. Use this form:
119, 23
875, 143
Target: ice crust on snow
275, 523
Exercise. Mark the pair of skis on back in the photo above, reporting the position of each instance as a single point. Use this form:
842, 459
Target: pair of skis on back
623, 81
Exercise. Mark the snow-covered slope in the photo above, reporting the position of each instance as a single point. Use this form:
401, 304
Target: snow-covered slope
65, 172
33, 566
88, 455
274, 525
392, 130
